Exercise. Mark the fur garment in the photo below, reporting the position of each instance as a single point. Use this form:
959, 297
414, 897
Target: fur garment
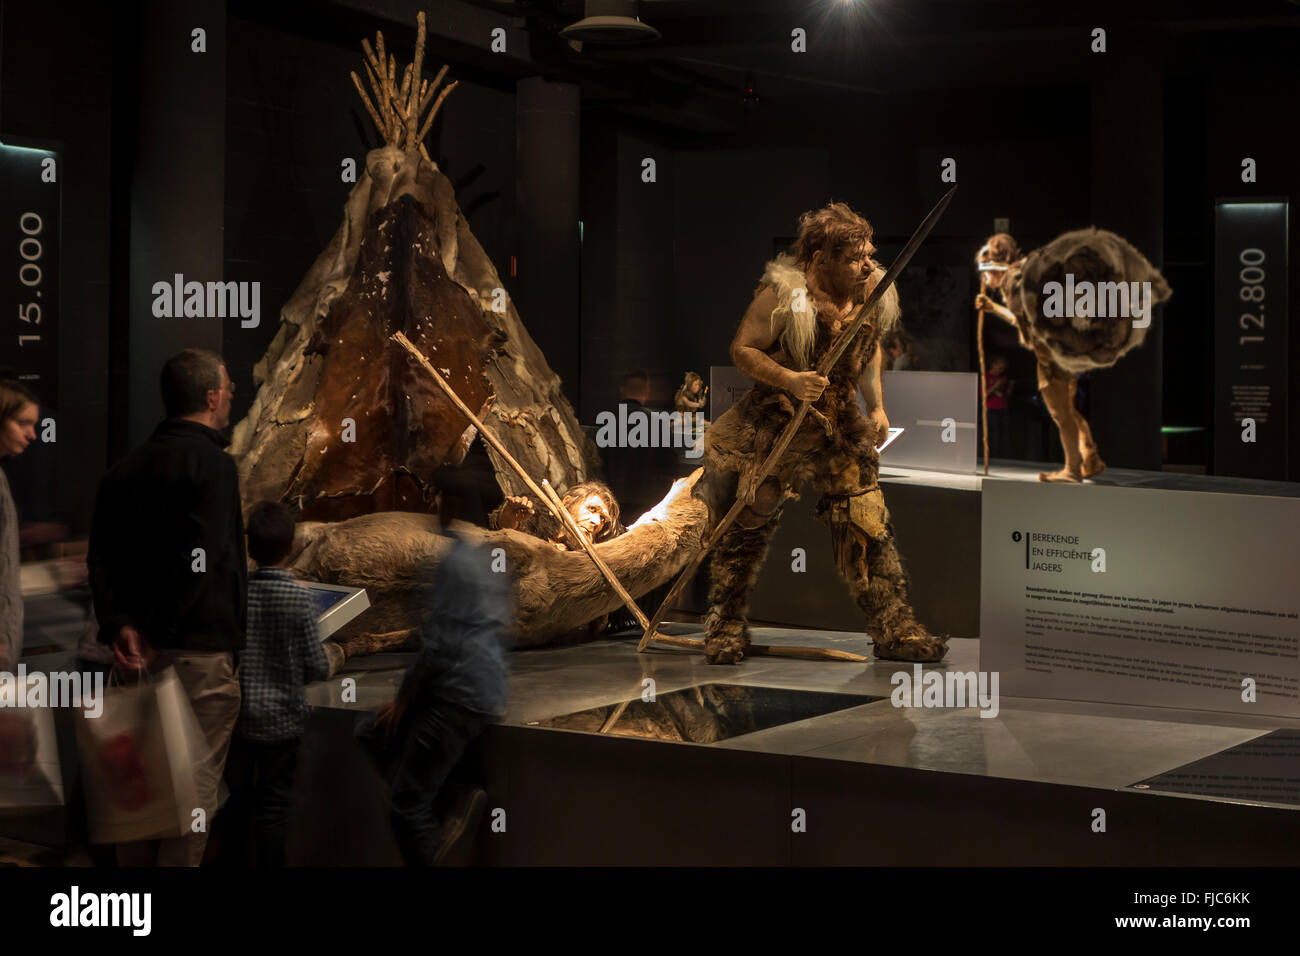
393, 554
797, 309
833, 448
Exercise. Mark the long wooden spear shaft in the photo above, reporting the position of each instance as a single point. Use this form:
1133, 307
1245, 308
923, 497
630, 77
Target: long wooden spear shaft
551, 501
823, 367
548, 496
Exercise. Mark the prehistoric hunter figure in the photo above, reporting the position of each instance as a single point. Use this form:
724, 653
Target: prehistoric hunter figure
1089, 334
801, 304
690, 397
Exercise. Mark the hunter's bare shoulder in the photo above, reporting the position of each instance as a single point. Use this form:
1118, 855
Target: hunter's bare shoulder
757, 328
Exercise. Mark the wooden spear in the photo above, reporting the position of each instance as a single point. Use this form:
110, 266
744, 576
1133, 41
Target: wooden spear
770, 650
823, 368
547, 495
554, 505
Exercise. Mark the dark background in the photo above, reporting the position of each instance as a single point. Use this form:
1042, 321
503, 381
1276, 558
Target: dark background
227, 165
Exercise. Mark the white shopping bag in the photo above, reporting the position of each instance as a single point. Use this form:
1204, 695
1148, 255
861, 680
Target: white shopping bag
30, 776
137, 761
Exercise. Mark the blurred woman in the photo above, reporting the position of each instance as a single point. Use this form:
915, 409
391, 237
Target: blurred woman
19, 412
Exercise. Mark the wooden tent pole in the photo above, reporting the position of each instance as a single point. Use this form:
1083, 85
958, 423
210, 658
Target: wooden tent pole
541, 495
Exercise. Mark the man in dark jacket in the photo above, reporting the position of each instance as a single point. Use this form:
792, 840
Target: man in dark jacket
168, 571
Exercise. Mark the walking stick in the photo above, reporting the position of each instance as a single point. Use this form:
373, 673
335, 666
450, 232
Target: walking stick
823, 367
984, 393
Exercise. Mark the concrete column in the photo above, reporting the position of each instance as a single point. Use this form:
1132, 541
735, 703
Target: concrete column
177, 188
546, 195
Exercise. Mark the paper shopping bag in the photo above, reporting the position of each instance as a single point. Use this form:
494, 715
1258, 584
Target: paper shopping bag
30, 775
137, 761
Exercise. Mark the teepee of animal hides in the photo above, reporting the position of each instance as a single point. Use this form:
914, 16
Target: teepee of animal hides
404, 259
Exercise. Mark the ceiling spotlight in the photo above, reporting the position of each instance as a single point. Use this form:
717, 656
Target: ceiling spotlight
610, 21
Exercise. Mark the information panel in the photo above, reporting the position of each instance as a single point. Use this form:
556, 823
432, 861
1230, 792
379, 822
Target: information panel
29, 251
1250, 345
1141, 596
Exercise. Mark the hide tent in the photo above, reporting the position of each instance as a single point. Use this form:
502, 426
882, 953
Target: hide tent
344, 422
348, 428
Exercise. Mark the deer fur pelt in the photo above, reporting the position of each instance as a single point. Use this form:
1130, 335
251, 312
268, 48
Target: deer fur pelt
393, 555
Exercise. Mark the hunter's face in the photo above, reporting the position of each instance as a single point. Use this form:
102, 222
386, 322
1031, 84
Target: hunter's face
851, 270
592, 516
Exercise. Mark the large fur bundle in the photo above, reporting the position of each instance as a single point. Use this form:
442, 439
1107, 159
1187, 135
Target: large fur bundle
393, 554
1081, 342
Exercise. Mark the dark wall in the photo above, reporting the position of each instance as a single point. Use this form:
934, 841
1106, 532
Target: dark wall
1143, 147
1127, 159
55, 85
1227, 96
883, 158
628, 266
730, 206
290, 125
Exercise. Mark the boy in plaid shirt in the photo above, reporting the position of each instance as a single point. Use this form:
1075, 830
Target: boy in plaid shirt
282, 655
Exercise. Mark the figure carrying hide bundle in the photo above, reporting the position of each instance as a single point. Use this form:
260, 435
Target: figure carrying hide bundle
1079, 303
800, 306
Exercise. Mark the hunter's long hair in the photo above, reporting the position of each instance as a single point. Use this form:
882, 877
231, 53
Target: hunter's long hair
833, 230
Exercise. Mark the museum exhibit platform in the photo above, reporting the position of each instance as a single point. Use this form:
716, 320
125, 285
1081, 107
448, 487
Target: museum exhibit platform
718, 767
936, 521
878, 784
